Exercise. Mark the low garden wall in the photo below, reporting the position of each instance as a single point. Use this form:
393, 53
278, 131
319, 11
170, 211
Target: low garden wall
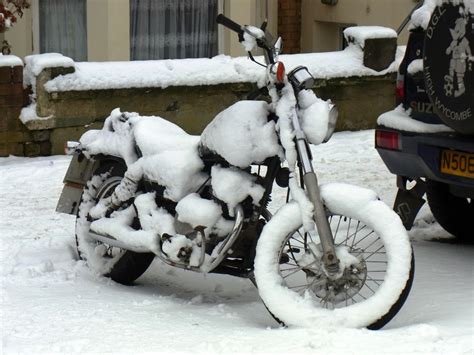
59, 115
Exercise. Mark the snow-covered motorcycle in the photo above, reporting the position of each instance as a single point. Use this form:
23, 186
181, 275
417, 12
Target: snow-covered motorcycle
143, 188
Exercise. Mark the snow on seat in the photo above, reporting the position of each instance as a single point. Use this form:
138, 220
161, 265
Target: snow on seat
155, 135
170, 156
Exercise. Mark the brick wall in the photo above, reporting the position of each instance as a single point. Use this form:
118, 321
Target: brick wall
15, 138
289, 25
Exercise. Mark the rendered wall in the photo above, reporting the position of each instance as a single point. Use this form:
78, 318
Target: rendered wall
108, 27
20, 36
359, 99
108, 24
320, 23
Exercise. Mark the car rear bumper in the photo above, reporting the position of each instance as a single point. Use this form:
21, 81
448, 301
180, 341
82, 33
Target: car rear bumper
419, 155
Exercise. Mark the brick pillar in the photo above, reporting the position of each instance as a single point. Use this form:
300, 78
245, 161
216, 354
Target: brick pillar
289, 25
12, 132
15, 138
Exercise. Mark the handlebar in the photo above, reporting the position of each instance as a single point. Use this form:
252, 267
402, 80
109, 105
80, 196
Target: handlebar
261, 42
227, 22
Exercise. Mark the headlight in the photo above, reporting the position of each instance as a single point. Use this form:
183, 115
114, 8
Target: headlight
301, 78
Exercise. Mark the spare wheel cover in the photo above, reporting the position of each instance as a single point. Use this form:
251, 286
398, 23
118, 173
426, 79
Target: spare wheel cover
448, 63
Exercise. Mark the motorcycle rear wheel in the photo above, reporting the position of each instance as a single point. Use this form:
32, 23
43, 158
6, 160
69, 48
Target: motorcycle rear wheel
120, 265
376, 259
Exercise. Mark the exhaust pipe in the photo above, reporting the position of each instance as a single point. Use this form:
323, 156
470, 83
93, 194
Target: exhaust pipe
136, 247
146, 242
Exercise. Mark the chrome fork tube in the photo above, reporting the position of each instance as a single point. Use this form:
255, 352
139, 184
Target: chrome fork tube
331, 262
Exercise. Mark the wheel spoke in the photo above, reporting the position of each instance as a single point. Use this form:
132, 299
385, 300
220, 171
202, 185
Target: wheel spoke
355, 235
354, 239
368, 246
299, 269
348, 230
376, 281
297, 240
375, 252
366, 285
290, 268
292, 287
360, 240
337, 228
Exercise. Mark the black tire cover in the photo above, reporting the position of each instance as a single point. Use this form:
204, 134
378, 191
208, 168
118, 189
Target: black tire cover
448, 63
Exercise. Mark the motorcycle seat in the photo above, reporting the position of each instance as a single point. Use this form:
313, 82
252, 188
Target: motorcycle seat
154, 135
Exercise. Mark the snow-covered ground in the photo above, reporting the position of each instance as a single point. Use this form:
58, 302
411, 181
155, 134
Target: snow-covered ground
52, 303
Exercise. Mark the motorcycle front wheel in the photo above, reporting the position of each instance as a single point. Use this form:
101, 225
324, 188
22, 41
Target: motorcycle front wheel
122, 266
376, 263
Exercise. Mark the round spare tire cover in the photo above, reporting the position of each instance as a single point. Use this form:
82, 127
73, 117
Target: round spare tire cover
448, 64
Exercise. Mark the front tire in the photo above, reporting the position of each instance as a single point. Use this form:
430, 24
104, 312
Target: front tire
120, 265
374, 251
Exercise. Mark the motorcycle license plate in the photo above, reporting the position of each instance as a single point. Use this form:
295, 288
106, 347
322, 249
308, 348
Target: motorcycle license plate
457, 163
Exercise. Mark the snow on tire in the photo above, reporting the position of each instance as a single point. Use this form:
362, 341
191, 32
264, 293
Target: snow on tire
374, 251
122, 266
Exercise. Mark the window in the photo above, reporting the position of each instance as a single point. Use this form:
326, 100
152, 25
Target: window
170, 29
62, 27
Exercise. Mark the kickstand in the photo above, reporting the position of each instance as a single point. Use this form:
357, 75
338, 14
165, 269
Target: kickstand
409, 201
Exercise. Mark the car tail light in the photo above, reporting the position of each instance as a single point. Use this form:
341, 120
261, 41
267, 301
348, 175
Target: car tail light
400, 89
387, 140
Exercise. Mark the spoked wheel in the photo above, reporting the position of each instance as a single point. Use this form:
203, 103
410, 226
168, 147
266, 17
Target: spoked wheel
120, 265
376, 266
361, 253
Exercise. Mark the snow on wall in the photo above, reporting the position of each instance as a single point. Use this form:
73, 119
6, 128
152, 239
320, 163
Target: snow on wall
10, 61
358, 34
217, 70
28, 113
36, 63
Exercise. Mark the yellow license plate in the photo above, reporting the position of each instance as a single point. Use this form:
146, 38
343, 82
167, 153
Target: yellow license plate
457, 163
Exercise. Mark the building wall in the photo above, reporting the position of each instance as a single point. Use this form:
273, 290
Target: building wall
108, 30
20, 36
108, 24
247, 12
321, 24
108, 27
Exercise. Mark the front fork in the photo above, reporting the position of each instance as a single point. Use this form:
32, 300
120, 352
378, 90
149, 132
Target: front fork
331, 262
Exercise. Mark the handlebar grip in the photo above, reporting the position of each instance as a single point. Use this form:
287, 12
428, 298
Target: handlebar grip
227, 22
